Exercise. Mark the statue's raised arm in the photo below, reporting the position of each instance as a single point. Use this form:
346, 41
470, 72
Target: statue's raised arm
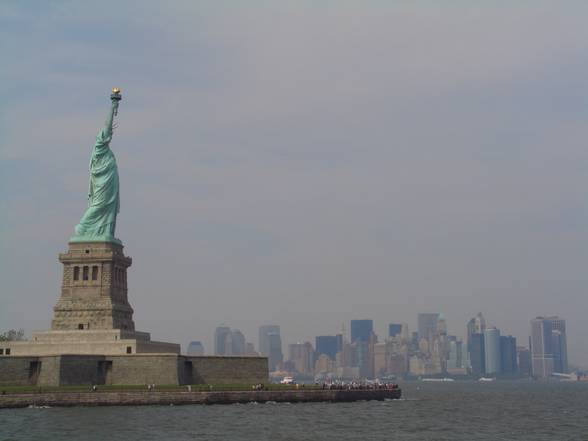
99, 221
115, 97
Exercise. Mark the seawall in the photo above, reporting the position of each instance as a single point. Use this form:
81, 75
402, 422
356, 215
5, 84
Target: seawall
135, 398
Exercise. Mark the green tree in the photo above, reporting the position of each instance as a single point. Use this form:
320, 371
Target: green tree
13, 335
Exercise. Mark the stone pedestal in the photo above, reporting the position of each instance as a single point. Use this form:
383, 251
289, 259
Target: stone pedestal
93, 315
94, 289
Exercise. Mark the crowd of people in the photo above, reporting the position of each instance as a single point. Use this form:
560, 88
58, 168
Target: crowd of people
360, 386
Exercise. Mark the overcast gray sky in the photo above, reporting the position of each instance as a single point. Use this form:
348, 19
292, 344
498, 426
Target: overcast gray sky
304, 163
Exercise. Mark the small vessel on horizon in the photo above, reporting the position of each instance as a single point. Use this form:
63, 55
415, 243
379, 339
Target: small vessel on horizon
437, 379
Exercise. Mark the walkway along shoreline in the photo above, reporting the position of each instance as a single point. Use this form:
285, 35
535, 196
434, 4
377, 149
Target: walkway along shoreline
137, 398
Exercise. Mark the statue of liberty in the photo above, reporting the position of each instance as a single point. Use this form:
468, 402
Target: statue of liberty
99, 221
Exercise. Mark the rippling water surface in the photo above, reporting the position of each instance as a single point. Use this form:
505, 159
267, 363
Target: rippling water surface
429, 411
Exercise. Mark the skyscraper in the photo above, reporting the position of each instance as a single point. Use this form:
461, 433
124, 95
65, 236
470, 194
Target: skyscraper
263, 343
427, 324
340, 342
394, 329
454, 359
221, 334
302, 355
477, 354
275, 356
541, 347
559, 344
441, 325
524, 361
270, 345
195, 348
492, 351
328, 345
556, 346
361, 330
508, 354
237, 343
476, 325
365, 357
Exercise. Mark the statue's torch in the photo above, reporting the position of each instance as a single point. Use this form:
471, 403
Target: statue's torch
115, 96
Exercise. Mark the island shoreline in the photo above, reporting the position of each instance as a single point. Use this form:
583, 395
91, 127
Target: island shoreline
139, 398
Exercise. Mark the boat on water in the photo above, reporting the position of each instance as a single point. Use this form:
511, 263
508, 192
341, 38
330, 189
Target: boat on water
486, 379
287, 380
437, 379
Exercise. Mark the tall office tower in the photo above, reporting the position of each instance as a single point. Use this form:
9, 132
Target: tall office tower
340, 342
373, 340
228, 344
560, 346
270, 345
361, 330
348, 356
524, 361
381, 357
557, 342
541, 347
328, 345
221, 334
275, 356
441, 325
365, 358
508, 354
476, 325
250, 350
492, 351
465, 356
302, 355
237, 342
477, 354
394, 329
263, 342
454, 358
195, 348
427, 324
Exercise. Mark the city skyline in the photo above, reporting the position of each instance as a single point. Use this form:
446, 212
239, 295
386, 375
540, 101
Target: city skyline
485, 351
305, 164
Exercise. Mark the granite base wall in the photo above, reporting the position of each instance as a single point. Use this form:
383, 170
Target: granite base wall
145, 369
15, 371
75, 370
136, 369
227, 370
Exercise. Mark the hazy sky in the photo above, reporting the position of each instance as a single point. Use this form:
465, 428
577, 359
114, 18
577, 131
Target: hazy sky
304, 163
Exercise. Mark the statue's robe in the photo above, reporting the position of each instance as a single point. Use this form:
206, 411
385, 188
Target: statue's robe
99, 220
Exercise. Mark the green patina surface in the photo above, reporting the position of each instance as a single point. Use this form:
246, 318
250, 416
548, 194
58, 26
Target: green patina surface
98, 223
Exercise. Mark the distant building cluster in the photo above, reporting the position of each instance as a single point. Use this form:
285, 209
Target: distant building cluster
229, 341
428, 351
